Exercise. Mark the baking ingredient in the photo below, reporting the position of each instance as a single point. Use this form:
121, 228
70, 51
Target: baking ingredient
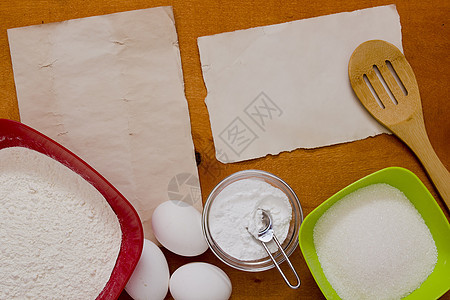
150, 279
234, 213
373, 244
177, 226
200, 281
59, 238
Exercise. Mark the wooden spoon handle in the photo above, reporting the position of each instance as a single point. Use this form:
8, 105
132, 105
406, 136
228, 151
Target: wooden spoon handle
438, 173
413, 133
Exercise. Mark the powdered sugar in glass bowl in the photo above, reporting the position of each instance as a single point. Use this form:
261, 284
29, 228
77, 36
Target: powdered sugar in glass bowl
232, 199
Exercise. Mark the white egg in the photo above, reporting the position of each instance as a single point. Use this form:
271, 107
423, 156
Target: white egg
150, 279
177, 226
200, 281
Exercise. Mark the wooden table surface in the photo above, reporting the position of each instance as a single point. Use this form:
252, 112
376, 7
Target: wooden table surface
315, 174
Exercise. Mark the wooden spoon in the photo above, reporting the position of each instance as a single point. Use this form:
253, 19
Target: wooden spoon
385, 84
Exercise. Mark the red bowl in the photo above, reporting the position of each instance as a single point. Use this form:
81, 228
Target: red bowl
17, 134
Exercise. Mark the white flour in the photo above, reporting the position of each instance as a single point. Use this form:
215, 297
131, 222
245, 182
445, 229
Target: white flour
233, 211
59, 238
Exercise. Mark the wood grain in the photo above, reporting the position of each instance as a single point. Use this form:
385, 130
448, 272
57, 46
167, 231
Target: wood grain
313, 174
402, 114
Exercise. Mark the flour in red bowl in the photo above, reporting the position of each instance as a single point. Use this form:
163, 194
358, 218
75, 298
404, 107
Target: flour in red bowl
59, 238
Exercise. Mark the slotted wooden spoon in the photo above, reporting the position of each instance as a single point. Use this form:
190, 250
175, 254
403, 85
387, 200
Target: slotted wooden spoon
385, 84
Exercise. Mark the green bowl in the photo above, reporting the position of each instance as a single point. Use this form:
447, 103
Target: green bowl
439, 280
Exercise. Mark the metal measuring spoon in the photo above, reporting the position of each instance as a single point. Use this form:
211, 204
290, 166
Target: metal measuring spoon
265, 235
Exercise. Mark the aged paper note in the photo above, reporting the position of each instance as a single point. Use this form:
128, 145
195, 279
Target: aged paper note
110, 88
282, 87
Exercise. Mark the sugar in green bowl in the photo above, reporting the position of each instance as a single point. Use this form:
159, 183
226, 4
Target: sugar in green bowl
438, 282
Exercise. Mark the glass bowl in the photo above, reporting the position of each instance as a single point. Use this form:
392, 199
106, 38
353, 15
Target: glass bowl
288, 245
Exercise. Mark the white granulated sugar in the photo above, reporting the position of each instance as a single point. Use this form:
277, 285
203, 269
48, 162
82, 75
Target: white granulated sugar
59, 238
374, 244
234, 210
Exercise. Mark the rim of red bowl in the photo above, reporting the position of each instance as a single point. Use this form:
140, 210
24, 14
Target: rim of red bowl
13, 133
